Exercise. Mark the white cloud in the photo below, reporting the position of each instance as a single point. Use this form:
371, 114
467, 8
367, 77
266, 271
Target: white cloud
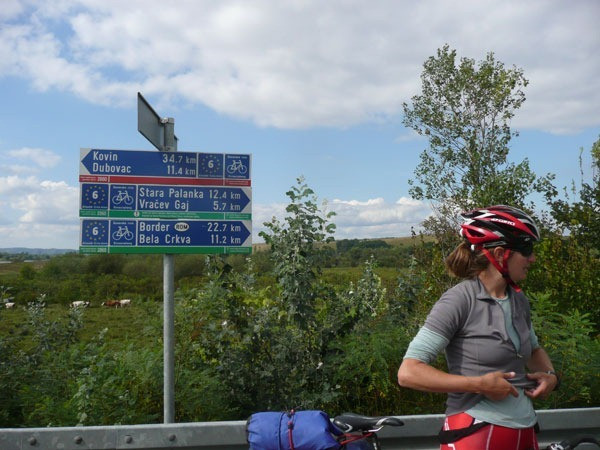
15, 185
52, 203
38, 156
265, 213
17, 169
38, 213
302, 64
357, 219
10, 9
377, 218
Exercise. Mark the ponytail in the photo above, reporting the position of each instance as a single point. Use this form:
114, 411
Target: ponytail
466, 263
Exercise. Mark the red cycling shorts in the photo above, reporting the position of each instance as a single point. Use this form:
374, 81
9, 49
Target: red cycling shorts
490, 437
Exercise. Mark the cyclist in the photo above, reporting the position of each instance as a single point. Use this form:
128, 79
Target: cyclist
484, 326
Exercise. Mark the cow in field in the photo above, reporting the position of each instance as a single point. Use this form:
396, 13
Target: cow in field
80, 304
112, 303
125, 302
9, 305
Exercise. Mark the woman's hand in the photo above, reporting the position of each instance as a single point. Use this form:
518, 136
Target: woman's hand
546, 384
494, 385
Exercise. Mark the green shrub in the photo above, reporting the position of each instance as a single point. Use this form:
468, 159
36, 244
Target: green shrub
573, 346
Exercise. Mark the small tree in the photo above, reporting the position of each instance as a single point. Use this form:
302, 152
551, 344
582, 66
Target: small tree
266, 346
295, 250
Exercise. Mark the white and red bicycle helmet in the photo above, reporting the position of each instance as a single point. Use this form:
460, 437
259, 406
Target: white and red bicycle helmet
500, 226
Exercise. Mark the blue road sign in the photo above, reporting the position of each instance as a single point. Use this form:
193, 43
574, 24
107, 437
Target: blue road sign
140, 163
183, 198
130, 163
142, 236
160, 201
165, 202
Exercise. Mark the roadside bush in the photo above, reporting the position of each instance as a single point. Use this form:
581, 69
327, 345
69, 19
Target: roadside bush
45, 372
573, 345
13, 370
64, 266
118, 387
567, 271
146, 266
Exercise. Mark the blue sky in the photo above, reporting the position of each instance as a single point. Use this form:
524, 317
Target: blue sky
308, 88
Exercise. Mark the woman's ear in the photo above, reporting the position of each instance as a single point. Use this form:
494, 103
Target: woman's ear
498, 253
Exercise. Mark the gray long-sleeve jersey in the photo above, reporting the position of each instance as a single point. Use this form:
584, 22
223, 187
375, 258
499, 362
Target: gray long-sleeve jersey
473, 322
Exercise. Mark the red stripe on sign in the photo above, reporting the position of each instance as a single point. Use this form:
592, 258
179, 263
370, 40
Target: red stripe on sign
237, 182
167, 180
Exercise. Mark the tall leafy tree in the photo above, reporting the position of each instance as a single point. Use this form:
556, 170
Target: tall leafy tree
464, 110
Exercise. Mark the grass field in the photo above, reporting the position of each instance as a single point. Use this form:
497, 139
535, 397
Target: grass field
139, 324
142, 322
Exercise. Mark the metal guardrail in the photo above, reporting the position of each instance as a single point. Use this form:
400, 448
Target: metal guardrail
419, 432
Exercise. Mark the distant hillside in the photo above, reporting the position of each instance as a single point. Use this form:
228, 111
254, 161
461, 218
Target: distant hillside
393, 241
36, 251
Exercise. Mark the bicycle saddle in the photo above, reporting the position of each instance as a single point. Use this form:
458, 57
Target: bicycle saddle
348, 422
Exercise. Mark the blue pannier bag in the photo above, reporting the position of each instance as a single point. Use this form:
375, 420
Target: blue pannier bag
294, 430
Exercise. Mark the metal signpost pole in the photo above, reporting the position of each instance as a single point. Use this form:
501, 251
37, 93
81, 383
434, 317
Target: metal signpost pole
169, 304
169, 337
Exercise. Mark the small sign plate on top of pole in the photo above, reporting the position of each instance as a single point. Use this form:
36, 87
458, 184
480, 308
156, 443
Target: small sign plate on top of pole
156, 129
164, 202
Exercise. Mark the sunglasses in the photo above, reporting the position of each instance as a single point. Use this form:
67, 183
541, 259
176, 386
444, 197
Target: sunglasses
525, 249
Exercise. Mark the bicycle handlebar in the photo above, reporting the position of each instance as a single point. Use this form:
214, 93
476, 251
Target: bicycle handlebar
355, 422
